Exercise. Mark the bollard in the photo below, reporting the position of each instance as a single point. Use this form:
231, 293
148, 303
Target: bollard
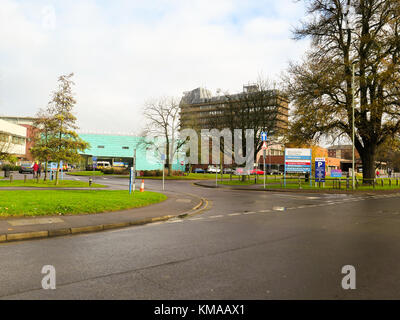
382, 182
90, 182
390, 182
11, 178
299, 183
397, 182
347, 184
24, 178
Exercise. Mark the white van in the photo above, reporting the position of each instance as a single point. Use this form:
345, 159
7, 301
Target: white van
103, 164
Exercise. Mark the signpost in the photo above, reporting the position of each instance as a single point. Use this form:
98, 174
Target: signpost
319, 170
264, 139
163, 157
94, 166
298, 161
264, 147
131, 181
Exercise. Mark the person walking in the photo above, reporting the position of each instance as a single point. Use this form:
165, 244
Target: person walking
35, 169
39, 172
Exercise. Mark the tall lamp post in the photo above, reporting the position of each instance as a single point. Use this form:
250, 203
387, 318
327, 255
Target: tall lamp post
353, 121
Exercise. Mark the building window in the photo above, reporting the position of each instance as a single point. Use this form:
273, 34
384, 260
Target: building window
3, 138
100, 147
18, 140
125, 148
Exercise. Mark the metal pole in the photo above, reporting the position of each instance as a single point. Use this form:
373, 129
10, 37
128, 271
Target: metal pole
163, 169
264, 154
354, 97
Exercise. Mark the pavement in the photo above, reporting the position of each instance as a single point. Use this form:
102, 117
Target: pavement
23, 228
245, 245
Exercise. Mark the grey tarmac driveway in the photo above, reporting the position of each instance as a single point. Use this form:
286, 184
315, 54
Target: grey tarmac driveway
248, 245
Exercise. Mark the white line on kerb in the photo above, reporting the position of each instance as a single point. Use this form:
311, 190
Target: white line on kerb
220, 216
234, 214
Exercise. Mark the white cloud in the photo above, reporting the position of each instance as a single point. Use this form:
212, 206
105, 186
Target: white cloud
126, 52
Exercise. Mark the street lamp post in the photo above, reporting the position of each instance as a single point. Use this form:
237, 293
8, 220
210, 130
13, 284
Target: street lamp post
353, 129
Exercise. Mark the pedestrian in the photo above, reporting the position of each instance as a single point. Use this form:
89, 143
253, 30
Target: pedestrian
390, 173
377, 173
39, 170
35, 169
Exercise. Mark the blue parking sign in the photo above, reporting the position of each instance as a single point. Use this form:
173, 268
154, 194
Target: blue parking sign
319, 169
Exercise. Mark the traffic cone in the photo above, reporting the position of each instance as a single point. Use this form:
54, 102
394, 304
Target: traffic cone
142, 186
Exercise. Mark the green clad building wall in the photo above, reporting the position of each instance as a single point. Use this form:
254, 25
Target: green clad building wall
120, 148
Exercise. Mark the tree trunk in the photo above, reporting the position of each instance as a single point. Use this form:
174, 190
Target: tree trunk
368, 164
56, 183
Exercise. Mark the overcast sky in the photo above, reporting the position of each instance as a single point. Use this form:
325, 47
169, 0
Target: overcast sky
125, 52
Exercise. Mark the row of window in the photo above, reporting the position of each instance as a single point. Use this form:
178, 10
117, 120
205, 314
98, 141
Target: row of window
102, 147
14, 139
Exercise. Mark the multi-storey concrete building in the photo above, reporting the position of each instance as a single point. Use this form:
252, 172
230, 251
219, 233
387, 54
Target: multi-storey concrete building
201, 110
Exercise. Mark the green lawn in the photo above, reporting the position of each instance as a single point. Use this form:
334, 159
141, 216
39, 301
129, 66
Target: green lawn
48, 184
190, 176
86, 173
54, 202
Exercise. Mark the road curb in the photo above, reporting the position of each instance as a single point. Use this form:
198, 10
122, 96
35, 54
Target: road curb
331, 191
11, 237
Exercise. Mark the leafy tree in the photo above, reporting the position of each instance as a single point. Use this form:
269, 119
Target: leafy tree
321, 87
57, 139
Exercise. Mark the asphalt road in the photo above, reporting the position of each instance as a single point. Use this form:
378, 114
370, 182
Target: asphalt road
248, 245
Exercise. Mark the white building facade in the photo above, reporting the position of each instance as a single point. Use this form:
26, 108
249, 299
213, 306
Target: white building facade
13, 139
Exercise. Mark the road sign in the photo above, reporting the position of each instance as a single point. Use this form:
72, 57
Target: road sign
319, 169
336, 173
264, 136
264, 146
297, 160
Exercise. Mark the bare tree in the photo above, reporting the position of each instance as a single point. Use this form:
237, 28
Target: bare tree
163, 122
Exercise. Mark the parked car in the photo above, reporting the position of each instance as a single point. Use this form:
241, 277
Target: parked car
274, 172
241, 171
199, 170
213, 169
228, 170
256, 171
26, 168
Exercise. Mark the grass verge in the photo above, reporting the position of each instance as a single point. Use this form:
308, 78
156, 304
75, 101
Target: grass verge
48, 184
55, 202
190, 176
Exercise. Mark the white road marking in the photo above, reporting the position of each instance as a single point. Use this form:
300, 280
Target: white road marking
234, 214
214, 217
174, 221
